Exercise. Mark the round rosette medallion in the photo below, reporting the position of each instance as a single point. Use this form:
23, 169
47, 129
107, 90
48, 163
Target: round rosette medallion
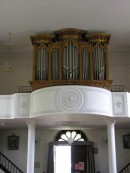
69, 99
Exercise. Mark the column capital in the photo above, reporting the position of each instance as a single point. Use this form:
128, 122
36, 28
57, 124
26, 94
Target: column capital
110, 122
31, 124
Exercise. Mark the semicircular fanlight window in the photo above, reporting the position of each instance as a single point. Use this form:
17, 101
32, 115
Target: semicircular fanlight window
71, 135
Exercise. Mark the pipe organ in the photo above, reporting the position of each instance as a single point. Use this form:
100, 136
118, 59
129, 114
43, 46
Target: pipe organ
70, 56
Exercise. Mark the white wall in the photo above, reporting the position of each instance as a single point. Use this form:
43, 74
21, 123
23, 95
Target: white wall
20, 76
43, 137
119, 68
19, 157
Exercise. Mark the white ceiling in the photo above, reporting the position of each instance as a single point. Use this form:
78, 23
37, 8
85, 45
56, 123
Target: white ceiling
24, 18
73, 121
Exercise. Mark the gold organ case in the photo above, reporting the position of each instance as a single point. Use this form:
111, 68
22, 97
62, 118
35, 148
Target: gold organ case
70, 57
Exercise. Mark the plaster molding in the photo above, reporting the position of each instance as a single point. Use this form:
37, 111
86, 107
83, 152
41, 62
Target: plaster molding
31, 124
110, 123
22, 105
71, 99
119, 102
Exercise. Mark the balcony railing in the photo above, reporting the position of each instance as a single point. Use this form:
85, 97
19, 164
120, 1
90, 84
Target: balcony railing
7, 166
117, 88
25, 89
126, 169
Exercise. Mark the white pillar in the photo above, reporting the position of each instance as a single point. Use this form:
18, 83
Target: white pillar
31, 146
111, 146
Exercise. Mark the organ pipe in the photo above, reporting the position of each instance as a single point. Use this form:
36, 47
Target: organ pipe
55, 65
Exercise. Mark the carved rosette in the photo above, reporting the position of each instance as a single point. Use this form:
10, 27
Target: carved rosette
69, 99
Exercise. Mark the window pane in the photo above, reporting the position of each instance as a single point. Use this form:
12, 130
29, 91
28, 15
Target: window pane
78, 136
64, 137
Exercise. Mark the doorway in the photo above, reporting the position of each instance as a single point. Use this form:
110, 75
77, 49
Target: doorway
71, 154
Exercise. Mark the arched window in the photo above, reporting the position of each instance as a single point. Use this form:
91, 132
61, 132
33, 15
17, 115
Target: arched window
71, 136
